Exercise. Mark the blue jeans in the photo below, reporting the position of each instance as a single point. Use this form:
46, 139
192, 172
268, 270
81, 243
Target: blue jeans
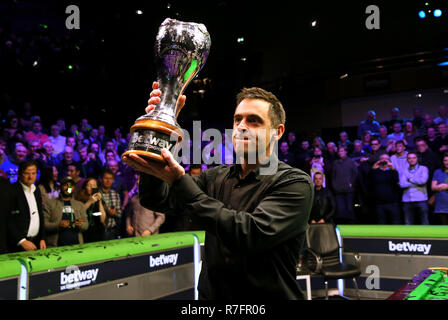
420, 207
388, 210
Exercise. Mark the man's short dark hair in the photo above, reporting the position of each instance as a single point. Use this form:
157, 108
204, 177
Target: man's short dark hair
107, 171
277, 114
400, 142
77, 165
375, 138
25, 165
412, 152
418, 139
195, 166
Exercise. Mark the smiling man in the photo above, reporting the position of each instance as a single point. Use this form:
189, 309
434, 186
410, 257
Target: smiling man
255, 222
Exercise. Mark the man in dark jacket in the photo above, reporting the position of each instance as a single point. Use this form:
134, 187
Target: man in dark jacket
324, 205
343, 181
255, 218
383, 185
26, 220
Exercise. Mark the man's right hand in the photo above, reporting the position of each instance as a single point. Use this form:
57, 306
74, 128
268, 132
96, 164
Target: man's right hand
28, 245
64, 223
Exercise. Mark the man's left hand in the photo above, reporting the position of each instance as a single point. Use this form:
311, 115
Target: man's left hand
169, 171
42, 245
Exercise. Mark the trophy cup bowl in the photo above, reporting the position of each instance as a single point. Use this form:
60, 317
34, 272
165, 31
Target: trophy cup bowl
181, 50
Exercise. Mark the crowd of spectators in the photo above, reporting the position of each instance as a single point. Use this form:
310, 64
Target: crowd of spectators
395, 172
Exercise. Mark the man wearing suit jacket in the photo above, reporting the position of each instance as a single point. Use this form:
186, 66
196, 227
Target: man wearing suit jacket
26, 220
5, 209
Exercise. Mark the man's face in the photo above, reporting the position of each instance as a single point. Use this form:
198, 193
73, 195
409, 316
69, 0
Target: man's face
71, 142
94, 147
342, 153
318, 180
20, 153
83, 153
71, 172
343, 136
305, 145
383, 132
28, 177
375, 145
108, 180
397, 127
110, 156
94, 133
113, 166
109, 146
428, 120
34, 147
431, 132
421, 146
48, 148
284, 147
252, 128
291, 137
412, 159
399, 147
68, 155
358, 146
384, 157
101, 130
37, 127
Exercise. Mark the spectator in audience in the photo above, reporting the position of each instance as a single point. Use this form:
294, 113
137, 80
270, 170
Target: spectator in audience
93, 138
418, 120
426, 157
431, 139
73, 131
11, 166
35, 148
358, 153
48, 184
383, 184
319, 142
57, 140
394, 118
440, 187
366, 136
112, 206
400, 158
195, 170
85, 127
443, 116
26, 226
66, 161
382, 136
88, 166
441, 142
62, 129
73, 171
370, 124
293, 145
70, 142
102, 137
410, 133
47, 158
139, 220
65, 218
376, 150
96, 214
37, 134
94, 151
415, 194
324, 205
396, 135
345, 142
286, 156
343, 181
304, 153
318, 163
332, 152
428, 122
119, 184
109, 147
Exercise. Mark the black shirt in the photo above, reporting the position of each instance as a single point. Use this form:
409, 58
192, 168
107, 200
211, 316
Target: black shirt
255, 227
324, 205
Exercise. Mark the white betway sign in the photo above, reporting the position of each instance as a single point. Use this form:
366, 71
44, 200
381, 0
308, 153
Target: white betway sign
409, 247
77, 278
162, 260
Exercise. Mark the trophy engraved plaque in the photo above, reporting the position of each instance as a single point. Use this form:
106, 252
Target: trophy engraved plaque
181, 50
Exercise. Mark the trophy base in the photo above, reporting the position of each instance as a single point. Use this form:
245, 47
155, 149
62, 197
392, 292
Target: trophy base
149, 137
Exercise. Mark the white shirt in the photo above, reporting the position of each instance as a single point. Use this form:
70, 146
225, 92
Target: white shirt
33, 229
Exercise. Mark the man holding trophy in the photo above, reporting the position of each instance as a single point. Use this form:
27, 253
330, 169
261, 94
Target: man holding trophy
255, 214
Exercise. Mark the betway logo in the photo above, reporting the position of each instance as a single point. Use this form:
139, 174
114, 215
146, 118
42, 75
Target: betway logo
163, 260
409, 247
77, 278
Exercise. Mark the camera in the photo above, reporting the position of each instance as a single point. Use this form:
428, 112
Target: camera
95, 190
383, 163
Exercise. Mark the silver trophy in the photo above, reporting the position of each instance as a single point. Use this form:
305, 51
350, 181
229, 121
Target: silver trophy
181, 50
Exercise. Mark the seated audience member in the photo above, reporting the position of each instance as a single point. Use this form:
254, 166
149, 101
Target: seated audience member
441, 142
47, 158
345, 142
57, 141
70, 142
382, 136
37, 134
400, 158
88, 166
429, 122
440, 187
110, 146
65, 218
48, 184
369, 124
383, 184
344, 174
11, 165
112, 206
415, 194
324, 205
96, 214
410, 133
396, 134
394, 118
286, 156
358, 155
66, 161
443, 115
139, 220
431, 139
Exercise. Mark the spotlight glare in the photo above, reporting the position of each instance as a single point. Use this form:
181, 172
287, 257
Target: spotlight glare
437, 13
422, 14
139, 12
